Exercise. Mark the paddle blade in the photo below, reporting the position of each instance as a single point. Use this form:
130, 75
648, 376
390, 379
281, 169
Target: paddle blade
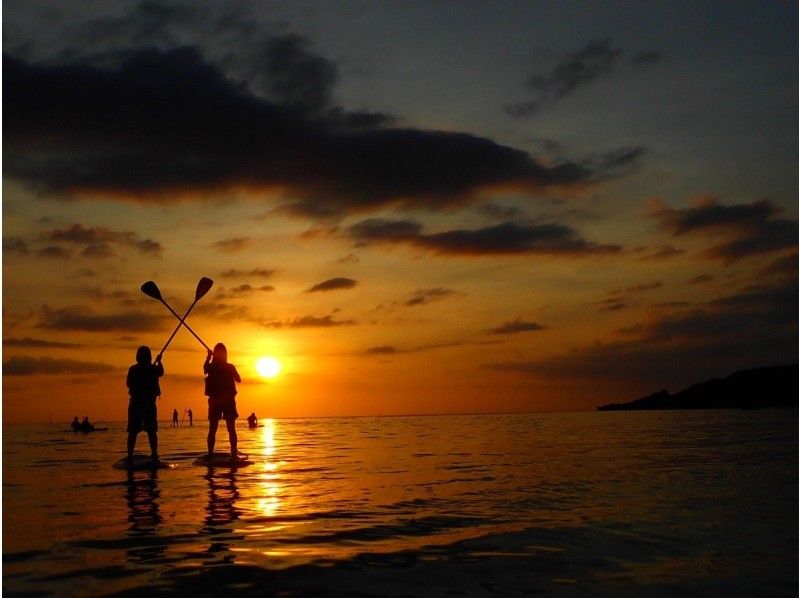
151, 290
203, 287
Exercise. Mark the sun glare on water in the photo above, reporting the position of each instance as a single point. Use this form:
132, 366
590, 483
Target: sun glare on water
268, 367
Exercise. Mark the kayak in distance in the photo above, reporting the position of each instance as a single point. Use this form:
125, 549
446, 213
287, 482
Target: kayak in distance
222, 460
141, 462
88, 431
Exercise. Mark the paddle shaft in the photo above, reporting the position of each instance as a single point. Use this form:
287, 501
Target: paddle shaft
181, 323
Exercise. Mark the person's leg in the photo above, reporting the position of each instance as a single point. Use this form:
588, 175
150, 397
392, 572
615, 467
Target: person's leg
131, 443
231, 425
212, 434
133, 427
153, 438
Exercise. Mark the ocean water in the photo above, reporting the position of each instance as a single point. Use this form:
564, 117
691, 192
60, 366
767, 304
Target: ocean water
662, 503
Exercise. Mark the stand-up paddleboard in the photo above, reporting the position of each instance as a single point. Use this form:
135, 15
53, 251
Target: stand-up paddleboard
141, 463
222, 460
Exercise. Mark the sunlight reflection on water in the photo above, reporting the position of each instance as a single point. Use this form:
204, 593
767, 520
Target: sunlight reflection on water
666, 496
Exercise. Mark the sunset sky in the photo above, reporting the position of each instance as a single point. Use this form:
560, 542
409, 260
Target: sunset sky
415, 207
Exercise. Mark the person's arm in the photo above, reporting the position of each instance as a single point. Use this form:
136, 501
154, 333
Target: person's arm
128, 378
159, 367
208, 361
235, 373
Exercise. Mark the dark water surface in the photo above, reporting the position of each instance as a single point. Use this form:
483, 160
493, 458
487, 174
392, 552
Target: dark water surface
667, 503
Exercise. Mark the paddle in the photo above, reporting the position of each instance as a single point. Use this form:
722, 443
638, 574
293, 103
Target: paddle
203, 286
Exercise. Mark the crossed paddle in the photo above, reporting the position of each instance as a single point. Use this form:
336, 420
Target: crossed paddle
203, 286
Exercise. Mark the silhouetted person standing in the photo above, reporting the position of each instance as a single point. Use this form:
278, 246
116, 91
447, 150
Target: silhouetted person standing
174, 418
221, 379
143, 388
189, 413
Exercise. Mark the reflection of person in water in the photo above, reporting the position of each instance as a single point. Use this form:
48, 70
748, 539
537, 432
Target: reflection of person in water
144, 515
221, 512
252, 420
221, 379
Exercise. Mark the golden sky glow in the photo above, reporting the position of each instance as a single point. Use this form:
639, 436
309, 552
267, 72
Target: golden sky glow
423, 221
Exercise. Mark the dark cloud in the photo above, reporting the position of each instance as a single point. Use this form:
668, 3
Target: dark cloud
241, 290
701, 279
381, 350
392, 350
424, 296
255, 272
747, 229
782, 266
612, 304
84, 319
754, 327
309, 322
26, 366
54, 251
15, 246
595, 60
645, 58
515, 327
499, 212
638, 288
661, 253
620, 299
163, 123
37, 343
505, 238
98, 241
350, 258
232, 245
333, 284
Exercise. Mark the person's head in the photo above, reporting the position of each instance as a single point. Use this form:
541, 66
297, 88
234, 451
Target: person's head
220, 353
143, 355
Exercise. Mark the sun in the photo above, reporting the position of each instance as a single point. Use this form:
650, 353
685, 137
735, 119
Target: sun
268, 367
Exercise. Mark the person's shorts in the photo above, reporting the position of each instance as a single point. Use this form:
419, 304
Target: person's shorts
224, 408
142, 416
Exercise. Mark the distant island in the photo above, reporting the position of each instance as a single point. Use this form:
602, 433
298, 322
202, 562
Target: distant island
757, 388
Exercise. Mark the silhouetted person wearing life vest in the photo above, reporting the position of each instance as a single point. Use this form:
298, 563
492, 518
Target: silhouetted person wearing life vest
143, 388
221, 379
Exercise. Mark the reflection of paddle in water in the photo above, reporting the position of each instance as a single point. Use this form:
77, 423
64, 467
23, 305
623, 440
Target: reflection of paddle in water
144, 515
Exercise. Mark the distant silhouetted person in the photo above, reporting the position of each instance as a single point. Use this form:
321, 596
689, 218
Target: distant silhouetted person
175, 418
76, 425
221, 379
143, 388
252, 420
85, 425
189, 413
